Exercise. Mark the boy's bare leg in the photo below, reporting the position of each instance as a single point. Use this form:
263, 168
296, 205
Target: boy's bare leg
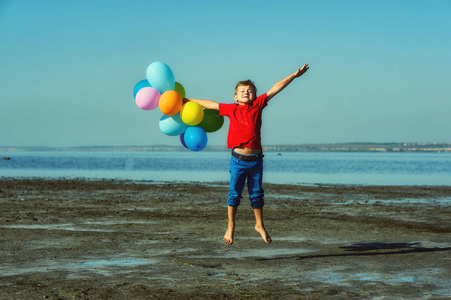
231, 213
259, 226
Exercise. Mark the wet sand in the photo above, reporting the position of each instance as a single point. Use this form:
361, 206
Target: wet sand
77, 239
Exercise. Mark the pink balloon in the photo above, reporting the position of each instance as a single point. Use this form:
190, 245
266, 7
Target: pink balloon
147, 98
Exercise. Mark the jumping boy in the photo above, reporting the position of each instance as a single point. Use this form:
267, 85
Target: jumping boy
244, 138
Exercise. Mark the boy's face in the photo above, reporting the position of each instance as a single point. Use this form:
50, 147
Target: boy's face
244, 95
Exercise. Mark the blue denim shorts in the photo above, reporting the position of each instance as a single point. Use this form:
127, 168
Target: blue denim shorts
241, 170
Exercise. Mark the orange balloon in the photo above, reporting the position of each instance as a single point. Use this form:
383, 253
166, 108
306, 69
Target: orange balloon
170, 103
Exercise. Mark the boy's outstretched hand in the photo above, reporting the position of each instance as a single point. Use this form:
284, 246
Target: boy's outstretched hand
301, 71
279, 86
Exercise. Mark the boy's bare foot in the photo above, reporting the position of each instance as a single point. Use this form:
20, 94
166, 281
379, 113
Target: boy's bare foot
228, 237
263, 233
231, 213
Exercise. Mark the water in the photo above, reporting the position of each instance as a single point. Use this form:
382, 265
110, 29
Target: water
211, 166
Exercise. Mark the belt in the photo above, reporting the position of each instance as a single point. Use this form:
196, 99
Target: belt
252, 157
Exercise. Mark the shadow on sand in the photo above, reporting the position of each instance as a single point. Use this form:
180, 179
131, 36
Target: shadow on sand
370, 249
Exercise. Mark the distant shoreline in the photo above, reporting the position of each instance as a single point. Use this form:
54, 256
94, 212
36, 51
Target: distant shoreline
337, 147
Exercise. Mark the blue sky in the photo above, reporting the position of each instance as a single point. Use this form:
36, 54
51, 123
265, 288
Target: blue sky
379, 70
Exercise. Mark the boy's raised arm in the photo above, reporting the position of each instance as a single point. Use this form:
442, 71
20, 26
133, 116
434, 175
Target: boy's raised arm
279, 86
208, 104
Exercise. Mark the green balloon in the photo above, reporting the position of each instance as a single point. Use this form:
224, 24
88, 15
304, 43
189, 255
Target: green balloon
212, 121
179, 89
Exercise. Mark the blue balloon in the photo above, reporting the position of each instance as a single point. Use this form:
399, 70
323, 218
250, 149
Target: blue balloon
141, 84
195, 138
160, 76
172, 125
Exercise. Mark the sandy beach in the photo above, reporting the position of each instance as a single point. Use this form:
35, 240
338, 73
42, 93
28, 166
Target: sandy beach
78, 239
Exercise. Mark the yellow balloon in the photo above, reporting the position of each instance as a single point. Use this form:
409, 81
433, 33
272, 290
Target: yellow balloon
191, 113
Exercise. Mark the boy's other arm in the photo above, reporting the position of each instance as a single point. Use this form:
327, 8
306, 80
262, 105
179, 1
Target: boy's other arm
208, 104
279, 86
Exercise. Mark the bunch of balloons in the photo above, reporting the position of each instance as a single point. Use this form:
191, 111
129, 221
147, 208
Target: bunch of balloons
188, 120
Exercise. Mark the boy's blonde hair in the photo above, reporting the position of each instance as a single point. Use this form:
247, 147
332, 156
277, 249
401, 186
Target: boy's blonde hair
246, 83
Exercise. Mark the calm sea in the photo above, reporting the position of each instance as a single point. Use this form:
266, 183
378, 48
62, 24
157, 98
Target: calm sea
210, 166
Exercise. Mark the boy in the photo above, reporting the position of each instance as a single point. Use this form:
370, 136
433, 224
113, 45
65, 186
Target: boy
245, 141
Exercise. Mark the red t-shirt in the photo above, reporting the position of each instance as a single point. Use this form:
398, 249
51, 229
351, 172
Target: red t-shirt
245, 122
